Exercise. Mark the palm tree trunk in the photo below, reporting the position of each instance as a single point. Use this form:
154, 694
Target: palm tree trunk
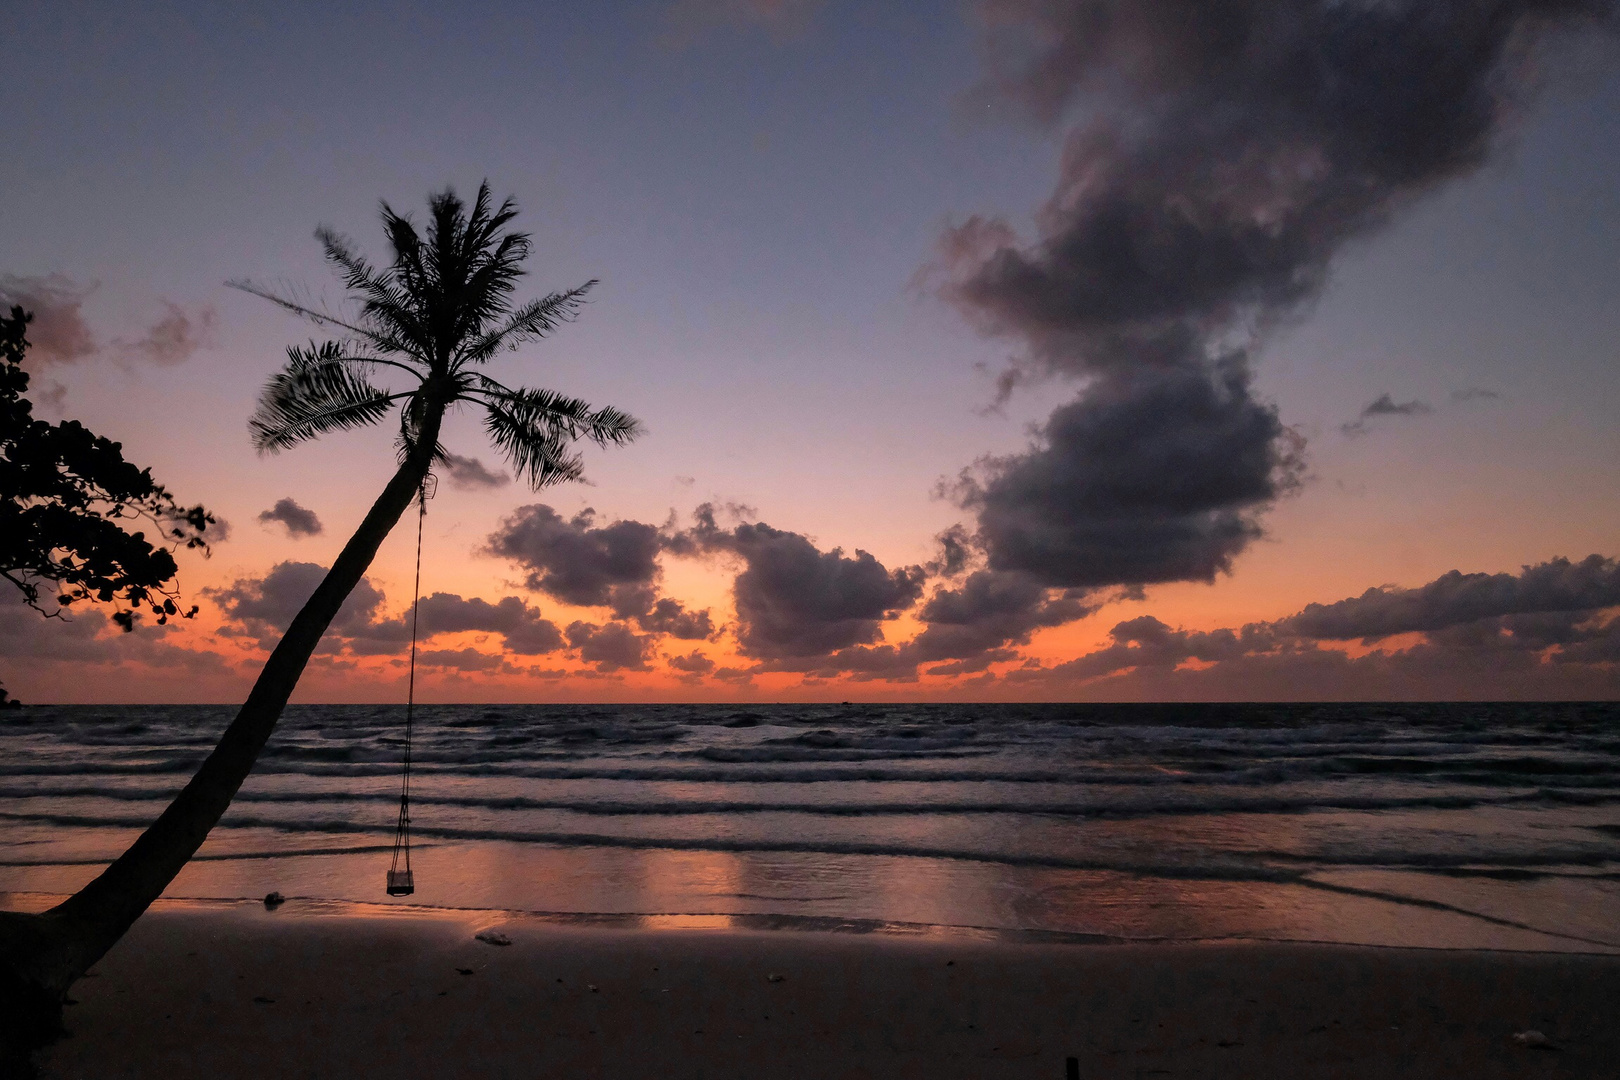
42, 955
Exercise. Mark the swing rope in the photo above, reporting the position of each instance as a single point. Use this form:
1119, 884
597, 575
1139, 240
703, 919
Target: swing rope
400, 880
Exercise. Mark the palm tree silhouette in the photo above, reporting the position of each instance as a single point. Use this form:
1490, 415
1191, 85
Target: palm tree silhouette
436, 314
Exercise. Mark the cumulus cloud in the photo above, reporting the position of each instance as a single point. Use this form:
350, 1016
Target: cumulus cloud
581, 563
794, 600
692, 667
1155, 478
671, 617
297, 520
470, 474
1226, 153
58, 334
522, 628
265, 606
1384, 405
614, 566
1455, 598
87, 636
262, 608
1544, 632
611, 647
175, 337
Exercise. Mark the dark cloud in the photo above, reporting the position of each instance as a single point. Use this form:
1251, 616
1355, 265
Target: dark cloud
265, 606
611, 647
795, 600
174, 337
1384, 405
1161, 477
469, 474
580, 563
262, 608
1228, 151
1474, 393
523, 629
297, 520
693, 663
693, 668
1544, 632
58, 334
671, 617
990, 609
1455, 598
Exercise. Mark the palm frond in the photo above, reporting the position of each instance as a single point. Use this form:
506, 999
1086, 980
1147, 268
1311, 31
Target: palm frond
383, 341
539, 455
385, 298
552, 411
530, 322
321, 389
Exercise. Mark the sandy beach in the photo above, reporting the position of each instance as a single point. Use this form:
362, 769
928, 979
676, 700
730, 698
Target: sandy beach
320, 990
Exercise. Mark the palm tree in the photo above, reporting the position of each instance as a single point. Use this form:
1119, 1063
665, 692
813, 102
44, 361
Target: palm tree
429, 320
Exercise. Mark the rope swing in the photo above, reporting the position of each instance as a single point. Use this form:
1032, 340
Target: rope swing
400, 880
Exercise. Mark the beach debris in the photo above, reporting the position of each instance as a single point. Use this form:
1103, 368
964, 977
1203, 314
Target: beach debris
774, 977
1533, 1040
464, 971
262, 1000
492, 937
591, 987
273, 900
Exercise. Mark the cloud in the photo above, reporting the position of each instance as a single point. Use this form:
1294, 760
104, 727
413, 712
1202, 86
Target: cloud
990, 609
1540, 633
693, 666
265, 607
523, 629
671, 617
580, 563
58, 334
613, 566
794, 600
611, 647
175, 337
1225, 153
87, 636
1152, 479
1384, 405
469, 474
297, 520
1474, 393
1455, 598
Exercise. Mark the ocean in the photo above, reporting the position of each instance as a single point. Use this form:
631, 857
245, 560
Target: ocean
1429, 825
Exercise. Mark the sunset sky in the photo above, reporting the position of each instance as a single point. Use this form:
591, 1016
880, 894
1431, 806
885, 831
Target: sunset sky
1172, 326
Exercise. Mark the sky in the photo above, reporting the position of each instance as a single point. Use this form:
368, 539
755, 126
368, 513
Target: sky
985, 350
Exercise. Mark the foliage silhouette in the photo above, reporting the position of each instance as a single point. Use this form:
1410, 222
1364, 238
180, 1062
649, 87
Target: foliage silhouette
431, 318
65, 494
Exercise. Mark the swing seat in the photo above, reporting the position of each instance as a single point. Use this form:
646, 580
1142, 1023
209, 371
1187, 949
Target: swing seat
401, 883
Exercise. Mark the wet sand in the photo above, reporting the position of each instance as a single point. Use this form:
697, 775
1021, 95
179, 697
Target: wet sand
224, 991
